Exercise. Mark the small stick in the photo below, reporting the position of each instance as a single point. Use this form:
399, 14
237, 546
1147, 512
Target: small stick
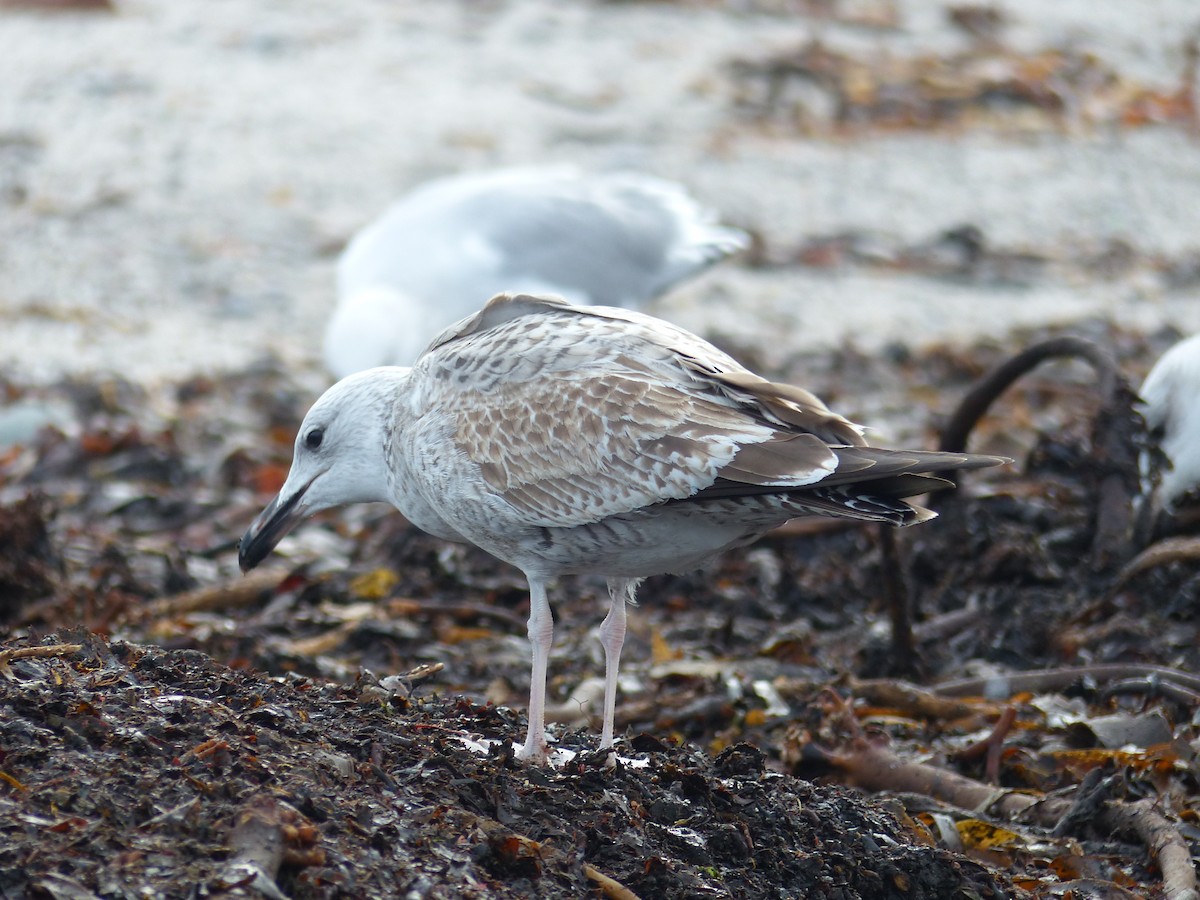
257, 846
992, 744
946, 624
918, 702
609, 887
899, 601
875, 768
1151, 687
1163, 840
7, 656
324, 642
1169, 550
242, 591
1057, 679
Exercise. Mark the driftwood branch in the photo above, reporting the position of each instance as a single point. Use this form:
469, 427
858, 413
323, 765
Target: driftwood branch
1163, 840
266, 834
876, 768
1057, 679
256, 845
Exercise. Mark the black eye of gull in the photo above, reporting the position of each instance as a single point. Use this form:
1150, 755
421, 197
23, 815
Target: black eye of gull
313, 439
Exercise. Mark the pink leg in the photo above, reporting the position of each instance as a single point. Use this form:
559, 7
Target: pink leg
541, 636
612, 637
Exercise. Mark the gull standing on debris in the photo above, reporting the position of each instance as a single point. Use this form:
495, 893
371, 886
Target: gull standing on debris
1171, 407
616, 238
568, 440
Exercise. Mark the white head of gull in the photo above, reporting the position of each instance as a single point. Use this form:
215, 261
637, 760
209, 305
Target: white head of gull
1171, 407
611, 238
567, 439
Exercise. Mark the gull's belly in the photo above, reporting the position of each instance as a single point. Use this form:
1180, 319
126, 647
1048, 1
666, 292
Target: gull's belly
665, 538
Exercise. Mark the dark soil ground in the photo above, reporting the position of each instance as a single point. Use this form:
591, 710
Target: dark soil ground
343, 724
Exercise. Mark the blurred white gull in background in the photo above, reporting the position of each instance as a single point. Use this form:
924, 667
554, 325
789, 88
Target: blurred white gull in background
1171, 407
608, 238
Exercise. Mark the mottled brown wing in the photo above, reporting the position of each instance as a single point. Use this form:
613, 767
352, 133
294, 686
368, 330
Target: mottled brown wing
574, 414
595, 447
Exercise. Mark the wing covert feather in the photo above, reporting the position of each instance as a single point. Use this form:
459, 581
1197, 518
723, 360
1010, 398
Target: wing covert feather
624, 413
596, 447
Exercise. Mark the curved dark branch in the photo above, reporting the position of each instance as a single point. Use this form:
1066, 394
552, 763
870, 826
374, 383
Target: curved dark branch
1114, 434
989, 388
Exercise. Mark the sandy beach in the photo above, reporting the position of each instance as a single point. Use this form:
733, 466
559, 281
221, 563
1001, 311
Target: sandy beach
176, 179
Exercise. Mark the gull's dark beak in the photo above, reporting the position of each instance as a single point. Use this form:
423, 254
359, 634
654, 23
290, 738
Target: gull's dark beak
272, 524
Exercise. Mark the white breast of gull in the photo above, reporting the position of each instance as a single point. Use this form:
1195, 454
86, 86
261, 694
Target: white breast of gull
1171, 407
611, 238
568, 439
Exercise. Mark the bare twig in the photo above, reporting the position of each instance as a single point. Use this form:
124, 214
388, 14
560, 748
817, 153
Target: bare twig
322, 643
875, 768
1164, 552
989, 388
1153, 686
1057, 679
7, 656
992, 744
942, 626
266, 834
899, 601
1169, 550
918, 702
609, 887
257, 847
1164, 841
241, 591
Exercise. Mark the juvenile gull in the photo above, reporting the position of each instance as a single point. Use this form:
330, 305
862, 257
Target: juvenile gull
617, 238
567, 439
1171, 407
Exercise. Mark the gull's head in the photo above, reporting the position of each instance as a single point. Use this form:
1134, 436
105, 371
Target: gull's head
340, 457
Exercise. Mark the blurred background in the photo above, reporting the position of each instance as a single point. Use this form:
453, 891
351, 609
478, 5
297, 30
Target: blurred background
177, 178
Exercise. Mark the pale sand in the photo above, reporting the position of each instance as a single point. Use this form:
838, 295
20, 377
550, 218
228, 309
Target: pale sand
175, 179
